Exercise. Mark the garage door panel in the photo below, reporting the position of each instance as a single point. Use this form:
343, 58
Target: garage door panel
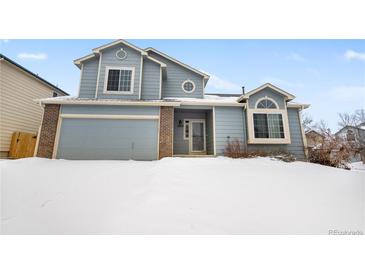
102, 139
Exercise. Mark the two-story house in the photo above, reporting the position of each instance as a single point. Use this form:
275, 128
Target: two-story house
142, 104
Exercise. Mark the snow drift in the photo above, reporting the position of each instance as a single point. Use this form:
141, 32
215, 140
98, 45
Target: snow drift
179, 196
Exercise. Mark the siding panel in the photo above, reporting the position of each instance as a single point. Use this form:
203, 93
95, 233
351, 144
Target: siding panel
18, 111
229, 123
176, 75
151, 80
88, 78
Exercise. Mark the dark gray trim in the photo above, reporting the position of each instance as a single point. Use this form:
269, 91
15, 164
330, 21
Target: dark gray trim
57, 89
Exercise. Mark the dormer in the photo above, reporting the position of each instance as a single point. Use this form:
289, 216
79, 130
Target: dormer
267, 115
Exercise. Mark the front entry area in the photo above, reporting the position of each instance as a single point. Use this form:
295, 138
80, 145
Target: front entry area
193, 132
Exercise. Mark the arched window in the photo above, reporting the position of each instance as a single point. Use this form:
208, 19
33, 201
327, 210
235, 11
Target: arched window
266, 103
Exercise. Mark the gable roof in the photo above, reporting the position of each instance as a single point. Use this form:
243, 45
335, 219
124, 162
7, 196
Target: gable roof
349, 126
315, 132
56, 89
206, 76
96, 52
288, 95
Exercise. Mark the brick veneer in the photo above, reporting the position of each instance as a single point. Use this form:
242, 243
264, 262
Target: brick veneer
48, 131
166, 131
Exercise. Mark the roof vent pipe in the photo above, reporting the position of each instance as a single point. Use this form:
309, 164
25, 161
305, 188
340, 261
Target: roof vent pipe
243, 90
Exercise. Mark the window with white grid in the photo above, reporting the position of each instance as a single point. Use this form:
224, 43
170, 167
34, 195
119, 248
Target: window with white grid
268, 125
119, 80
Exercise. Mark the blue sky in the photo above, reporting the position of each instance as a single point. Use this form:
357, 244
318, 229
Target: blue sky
328, 74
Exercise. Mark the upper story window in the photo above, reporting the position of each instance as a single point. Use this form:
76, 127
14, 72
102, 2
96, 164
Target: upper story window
266, 103
188, 86
119, 80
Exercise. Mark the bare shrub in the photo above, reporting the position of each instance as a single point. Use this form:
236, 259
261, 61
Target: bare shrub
331, 151
238, 149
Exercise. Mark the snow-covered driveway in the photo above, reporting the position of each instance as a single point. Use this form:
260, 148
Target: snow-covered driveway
179, 196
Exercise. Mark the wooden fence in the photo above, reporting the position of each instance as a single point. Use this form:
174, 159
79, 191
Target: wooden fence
22, 145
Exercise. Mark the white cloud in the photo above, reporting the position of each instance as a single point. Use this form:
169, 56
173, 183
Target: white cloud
354, 55
33, 56
296, 57
218, 84
349, 93
6, 40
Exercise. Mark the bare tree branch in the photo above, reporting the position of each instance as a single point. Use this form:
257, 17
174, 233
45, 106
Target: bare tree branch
347, 119
360, 116
307, 122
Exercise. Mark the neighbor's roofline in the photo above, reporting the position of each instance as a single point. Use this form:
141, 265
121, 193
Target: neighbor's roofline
206, 76
279, 90
3, 57
355, 127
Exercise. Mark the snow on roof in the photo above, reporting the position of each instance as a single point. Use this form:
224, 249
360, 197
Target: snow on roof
173, 101
206, 98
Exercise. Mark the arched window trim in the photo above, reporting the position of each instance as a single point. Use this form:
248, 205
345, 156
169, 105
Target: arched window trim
267, 98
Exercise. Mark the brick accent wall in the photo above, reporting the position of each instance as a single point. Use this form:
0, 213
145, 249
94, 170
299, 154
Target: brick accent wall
166, 132
48, 131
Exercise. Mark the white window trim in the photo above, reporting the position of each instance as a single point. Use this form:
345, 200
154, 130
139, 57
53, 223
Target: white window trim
191, 81
267, 98
251, 130
107, 68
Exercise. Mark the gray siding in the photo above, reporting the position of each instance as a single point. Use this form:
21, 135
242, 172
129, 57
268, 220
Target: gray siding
96, 139
269, 93
109, 58
176, 75
116, 110
151, 80
296, 147
88, 78
228, 123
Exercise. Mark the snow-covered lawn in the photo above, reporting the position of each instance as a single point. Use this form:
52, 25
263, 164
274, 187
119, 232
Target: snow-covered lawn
358, 166
179, 196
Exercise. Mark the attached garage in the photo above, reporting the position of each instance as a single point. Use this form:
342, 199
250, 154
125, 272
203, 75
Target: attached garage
108, 139
116, 136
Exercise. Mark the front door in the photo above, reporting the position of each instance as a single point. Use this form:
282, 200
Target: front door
197, 140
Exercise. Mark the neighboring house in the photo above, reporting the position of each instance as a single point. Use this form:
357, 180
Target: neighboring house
352, 134
143, 104
19, 88
355, 136
314, 138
